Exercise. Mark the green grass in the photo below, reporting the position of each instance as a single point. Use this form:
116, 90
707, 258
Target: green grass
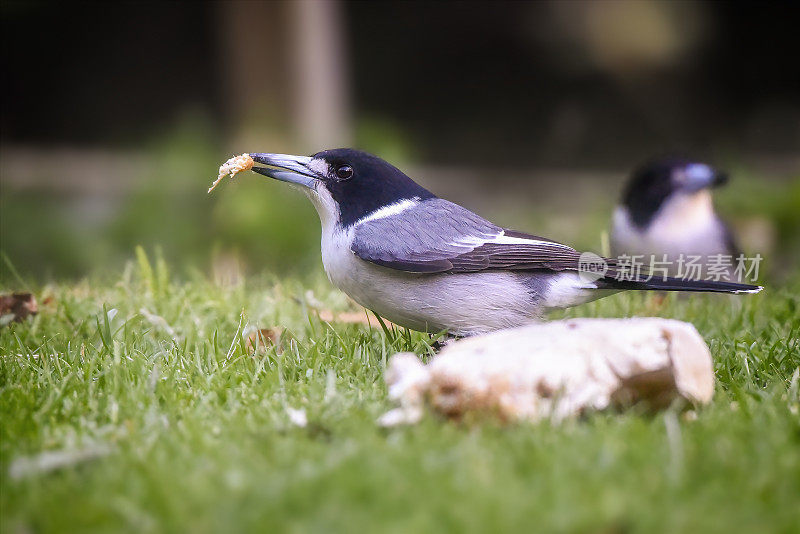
198, 439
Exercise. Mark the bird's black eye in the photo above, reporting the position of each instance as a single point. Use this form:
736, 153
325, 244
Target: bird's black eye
344, 172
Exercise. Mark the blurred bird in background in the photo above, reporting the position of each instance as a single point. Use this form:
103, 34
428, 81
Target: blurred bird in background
667, 213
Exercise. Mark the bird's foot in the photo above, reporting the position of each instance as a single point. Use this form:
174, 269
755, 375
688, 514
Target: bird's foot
441, 342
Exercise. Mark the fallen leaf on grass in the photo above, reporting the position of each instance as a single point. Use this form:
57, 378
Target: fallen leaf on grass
16, 307
260, 340
352, 318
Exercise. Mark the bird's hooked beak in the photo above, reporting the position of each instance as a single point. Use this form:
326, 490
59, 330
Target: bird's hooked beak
720, 178
698, 176
292, 169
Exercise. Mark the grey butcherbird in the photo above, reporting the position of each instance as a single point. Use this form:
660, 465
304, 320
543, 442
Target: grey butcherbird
431, 265
666, 211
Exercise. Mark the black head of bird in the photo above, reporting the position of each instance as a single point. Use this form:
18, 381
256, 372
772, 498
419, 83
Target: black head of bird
656, 181
359, 183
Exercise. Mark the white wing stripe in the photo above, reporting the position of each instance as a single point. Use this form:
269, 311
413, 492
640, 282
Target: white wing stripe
506, 240
502, 239
473, 241
388, 211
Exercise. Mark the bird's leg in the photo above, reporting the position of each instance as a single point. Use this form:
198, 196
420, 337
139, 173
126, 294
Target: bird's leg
442, 341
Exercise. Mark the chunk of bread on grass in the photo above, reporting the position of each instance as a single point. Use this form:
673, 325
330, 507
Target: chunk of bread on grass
555, 370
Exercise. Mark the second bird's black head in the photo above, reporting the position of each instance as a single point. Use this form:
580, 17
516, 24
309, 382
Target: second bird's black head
652, 183
358, 182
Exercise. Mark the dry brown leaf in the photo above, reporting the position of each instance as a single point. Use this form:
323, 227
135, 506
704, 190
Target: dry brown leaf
19, 306
260, 340
356, 317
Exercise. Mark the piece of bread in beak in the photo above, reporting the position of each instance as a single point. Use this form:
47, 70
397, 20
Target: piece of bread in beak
233, 166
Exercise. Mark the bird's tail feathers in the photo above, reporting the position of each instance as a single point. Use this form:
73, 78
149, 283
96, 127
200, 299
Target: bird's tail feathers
678, 284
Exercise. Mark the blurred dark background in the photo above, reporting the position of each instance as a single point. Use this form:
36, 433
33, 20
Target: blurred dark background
115, 117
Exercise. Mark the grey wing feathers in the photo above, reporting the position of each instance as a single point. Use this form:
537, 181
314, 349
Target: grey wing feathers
520, 257
423, 239
439, 236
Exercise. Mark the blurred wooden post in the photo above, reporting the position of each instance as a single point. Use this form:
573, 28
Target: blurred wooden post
284, 74
322, 114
